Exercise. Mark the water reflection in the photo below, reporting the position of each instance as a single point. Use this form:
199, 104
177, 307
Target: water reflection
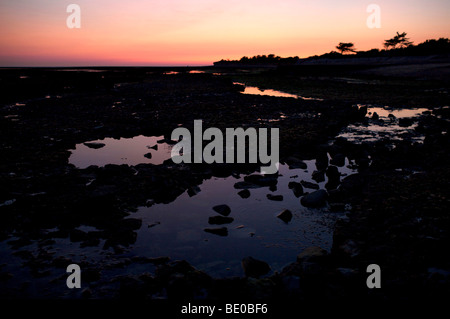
177, 229
387, 123
132, 151
269, 92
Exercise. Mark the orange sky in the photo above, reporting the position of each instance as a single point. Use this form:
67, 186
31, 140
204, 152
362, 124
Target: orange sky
199, 32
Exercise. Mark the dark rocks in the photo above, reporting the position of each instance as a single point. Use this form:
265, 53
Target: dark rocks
261, 180
405, 122
254, 268
192, 191
297, 188
322, 161
285, 216
294, 163
309, 185
315, 200
222, 231
224, 210
375, 116
220, 220
278, 198
94, 145
392, 117
333, 173
244, 193
313, 253
338, 160
245, 185
318, 176
333, 177
148, 155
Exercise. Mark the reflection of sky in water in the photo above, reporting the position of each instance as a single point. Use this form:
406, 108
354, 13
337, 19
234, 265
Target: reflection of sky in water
129, 151
389, 128
269, 92
181, 234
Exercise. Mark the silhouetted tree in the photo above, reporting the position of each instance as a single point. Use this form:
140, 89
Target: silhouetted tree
346, 47
399, 40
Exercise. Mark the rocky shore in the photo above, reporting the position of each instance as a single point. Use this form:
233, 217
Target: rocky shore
398, 216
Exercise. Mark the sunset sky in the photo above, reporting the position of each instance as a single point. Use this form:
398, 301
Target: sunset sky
199, 32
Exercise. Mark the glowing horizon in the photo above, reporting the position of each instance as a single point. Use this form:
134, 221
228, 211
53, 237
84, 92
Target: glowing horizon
199, 32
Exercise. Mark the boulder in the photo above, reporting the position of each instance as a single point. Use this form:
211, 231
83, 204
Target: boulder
261, 180
254, 268
224, 210
220, 220
309, 185
285, 215
297, 188
222, 231
338, 160
245, 193
294, 163
278, 198
318, 176
322, 161
315, 199
312, 254
94, 145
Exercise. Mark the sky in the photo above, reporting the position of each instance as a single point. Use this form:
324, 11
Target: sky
199, 32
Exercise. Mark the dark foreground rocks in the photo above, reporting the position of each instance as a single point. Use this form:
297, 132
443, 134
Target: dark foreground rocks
399, 200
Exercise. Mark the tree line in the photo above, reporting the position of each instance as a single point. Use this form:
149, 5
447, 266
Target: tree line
399, 45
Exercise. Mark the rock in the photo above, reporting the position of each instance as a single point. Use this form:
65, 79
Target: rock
405, 122
362, 111
312, 254
192, 191
333, 173
294, 163
224, 210
220, 220
153, 224
375, 116
318, 176
94, 145
322, 161
254, 268
333, 177
285, 216
148, 155
278, 198
154, 147
297, 188
245, 185
244, 193
261, 180
392, 117
222, 231
338, 160
309, 185
315, 199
